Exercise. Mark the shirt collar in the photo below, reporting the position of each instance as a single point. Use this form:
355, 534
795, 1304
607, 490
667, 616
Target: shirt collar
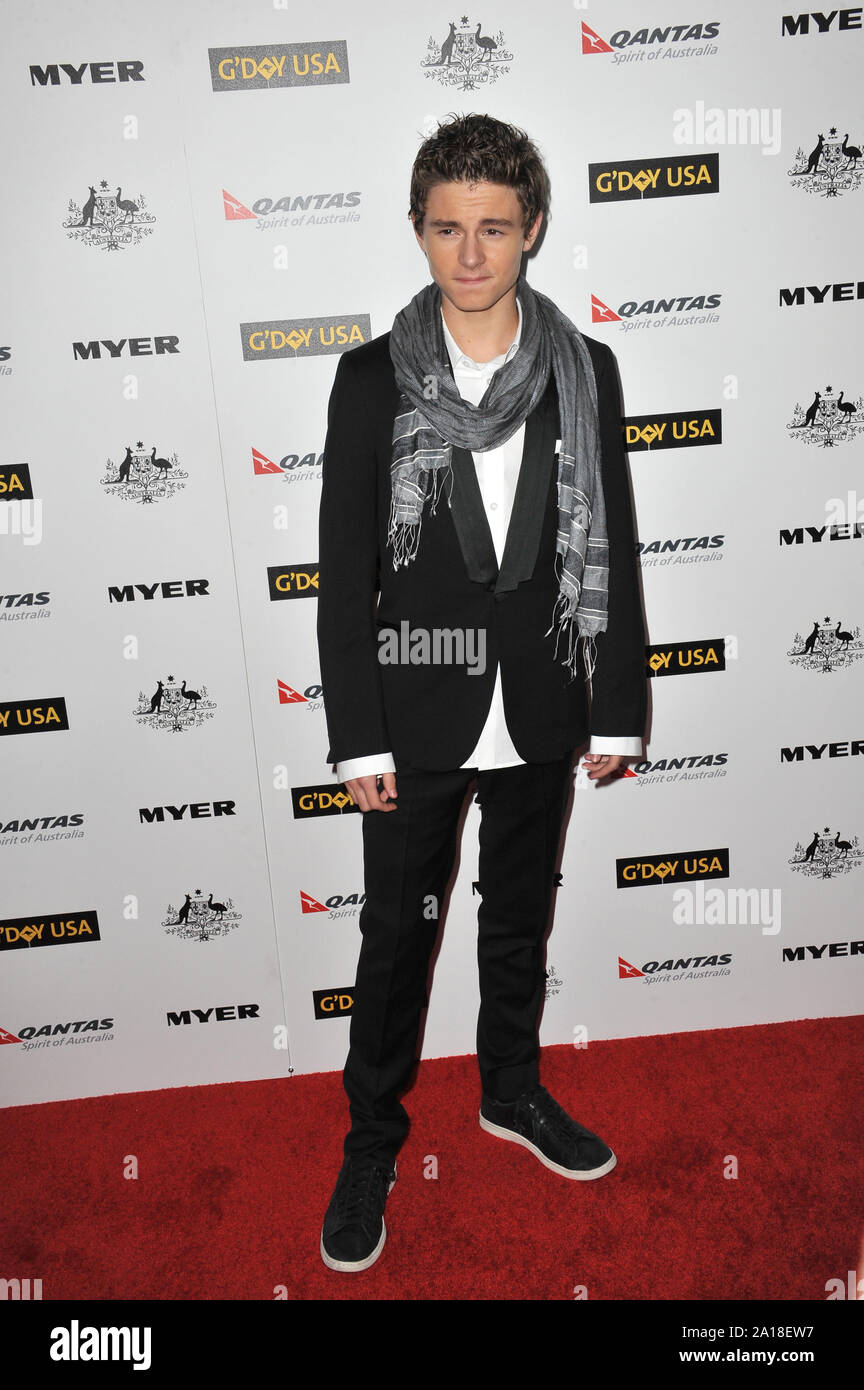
460, 360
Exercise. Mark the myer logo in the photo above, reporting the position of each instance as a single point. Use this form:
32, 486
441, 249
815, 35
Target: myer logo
815, 751
132, 347
18, 933
15, 484
672, 177
679, 430
793, 24
848, 531
33, 716
321, 801
279, 338
333, 1003
839, 293
261, 66
165, 588
682, 867
677, 658
75, 73
834, 949
225, 1013
300, 581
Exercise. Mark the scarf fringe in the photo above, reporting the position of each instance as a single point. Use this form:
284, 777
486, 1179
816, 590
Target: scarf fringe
404, 536
565, 619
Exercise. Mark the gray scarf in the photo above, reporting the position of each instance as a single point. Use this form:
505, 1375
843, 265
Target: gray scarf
432, 417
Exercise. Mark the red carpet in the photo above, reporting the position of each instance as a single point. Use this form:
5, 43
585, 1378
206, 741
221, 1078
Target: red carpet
233, 1181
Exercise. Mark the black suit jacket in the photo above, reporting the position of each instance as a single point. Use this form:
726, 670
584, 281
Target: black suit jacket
431, 716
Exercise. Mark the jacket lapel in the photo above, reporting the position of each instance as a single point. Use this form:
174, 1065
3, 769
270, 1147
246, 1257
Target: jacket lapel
529, 505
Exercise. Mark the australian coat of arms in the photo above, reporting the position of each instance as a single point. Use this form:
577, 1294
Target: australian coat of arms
108, 220
830, 168
827, 647
828, 419
826, 855
467, 58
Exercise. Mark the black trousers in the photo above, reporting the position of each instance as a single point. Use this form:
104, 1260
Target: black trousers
408, 859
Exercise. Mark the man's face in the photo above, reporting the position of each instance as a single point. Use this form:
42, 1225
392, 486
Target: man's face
473, 239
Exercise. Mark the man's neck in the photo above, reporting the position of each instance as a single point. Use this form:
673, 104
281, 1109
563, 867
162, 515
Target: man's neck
483, 336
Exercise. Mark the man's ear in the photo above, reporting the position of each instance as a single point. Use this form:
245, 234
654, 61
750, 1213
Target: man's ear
533, 232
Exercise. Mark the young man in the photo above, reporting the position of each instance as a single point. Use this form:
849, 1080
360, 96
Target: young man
478, 569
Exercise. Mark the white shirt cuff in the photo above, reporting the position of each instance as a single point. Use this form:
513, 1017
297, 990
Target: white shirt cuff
626, 747
365, 767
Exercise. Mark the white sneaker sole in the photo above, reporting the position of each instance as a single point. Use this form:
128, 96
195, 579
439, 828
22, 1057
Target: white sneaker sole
355, 1266
577, 1175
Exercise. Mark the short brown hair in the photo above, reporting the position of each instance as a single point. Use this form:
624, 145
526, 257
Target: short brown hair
479, 149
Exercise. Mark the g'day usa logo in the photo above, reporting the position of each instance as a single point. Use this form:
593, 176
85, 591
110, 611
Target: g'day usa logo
681, 429
270, 340
15, 482
20, 933
682, 866
35, 716
321, 801
673, 176
687, 658
298, 581
262, 67
656, 42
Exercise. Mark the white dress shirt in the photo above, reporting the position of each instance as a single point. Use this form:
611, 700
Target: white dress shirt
497, 475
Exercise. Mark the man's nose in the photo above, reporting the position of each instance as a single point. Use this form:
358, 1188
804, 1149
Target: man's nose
471, 252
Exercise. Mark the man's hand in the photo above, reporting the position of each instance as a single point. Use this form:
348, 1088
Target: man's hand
602, 763
365, 794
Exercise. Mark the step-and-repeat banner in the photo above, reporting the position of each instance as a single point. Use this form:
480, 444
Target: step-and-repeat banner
206, 204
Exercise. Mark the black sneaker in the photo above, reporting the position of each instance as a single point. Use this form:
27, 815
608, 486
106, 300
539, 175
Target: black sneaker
353, 1233
538, 1123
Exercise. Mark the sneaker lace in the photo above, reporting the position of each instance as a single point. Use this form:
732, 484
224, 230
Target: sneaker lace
553, 1118
362, 1194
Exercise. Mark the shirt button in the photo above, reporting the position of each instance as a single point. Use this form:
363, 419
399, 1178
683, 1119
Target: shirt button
493, 506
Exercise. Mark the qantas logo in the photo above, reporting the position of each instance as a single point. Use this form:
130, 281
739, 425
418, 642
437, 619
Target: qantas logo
638, 40
673, 312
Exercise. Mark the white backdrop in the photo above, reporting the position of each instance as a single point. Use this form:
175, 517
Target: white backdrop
262, 158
